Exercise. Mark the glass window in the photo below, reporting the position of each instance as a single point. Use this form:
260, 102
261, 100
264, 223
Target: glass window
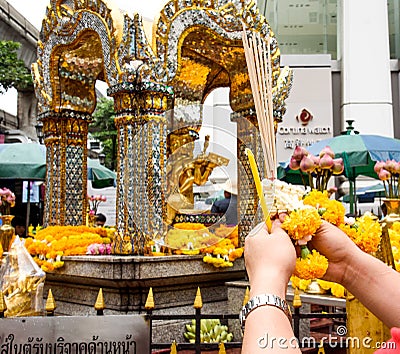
303, 26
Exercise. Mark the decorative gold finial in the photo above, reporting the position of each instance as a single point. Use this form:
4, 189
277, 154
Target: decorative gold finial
221, 348
246, 296
50, 303
99, 305
149, 305
173, 348
3, 306
198, 301
296, 299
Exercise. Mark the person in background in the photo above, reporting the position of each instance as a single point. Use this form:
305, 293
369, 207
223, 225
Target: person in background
19, 224
100, 219
270, 260
228, 205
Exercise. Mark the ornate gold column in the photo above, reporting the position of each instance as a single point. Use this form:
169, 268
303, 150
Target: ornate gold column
247, 137
141, 165
66, 159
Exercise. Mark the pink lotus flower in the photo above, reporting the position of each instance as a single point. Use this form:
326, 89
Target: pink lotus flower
384, 175
7, 200
326, 162
390, 165
299, 153
316, 159
294, 164
338, 166
327, 150
378, 166
307, 164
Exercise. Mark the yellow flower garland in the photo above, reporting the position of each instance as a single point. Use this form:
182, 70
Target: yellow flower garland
302, 223
312, 267
50, 244
365, 233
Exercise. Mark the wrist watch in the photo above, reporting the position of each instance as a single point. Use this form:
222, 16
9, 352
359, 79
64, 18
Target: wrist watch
264, 300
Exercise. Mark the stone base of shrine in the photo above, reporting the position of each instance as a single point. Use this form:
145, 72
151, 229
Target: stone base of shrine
126, 280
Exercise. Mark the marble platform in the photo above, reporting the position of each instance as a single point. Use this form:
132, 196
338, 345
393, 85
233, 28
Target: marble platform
125, 281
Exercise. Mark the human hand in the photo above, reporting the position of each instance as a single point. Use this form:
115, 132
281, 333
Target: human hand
337, 247
270, 259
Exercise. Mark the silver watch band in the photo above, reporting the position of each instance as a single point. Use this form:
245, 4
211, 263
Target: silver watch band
264, 300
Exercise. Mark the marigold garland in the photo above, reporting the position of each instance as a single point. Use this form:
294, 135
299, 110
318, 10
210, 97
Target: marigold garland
313, 266
365, 233
50, 244
331, 210
302, 223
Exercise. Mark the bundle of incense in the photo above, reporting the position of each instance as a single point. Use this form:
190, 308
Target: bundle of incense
258, 59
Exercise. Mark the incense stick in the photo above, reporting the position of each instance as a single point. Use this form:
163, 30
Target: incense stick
258, 59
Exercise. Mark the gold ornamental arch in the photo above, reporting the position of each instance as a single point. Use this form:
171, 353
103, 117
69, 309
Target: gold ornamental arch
196, 47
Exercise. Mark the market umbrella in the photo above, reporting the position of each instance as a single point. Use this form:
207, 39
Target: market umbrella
100, 175
359, 153
27, 161
367, 193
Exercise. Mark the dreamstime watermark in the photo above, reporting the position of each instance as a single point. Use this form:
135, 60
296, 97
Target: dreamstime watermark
332, 341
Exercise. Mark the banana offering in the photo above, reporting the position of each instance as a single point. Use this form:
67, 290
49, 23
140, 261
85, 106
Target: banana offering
22, 283
211, 331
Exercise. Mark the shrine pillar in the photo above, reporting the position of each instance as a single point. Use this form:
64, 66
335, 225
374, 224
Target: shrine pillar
141, 165
65, 135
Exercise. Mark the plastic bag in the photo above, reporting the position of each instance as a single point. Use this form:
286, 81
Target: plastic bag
22, 282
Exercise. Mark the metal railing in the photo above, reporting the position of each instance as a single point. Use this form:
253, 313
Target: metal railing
197, 346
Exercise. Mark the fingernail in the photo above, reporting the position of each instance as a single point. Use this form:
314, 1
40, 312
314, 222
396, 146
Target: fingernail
257, 229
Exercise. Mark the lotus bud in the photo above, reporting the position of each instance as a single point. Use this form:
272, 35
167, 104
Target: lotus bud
327, 150
397, 168
307, 164
390, 165
378, 166
384, 175
299, 153
326, 162
316, 159
294, 164
338, 166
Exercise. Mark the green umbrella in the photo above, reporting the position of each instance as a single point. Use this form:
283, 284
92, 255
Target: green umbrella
27, 161
100, 175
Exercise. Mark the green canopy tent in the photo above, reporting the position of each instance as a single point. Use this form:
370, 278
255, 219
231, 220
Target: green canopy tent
27, 162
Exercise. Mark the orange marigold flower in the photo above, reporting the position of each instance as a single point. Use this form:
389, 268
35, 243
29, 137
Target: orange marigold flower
316, 198
334, 212
365, 233
302, 222
312, 267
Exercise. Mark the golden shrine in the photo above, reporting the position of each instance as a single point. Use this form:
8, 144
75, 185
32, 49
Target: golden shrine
196, 47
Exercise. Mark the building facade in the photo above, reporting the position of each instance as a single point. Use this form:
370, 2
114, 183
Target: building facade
350, 50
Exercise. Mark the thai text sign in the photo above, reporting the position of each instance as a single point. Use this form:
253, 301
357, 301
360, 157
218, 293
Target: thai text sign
125, 334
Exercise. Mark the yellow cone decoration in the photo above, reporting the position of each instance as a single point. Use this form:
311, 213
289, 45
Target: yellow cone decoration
149, 305
198, 301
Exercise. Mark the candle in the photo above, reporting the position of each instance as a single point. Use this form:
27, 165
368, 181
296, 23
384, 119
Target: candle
257, 181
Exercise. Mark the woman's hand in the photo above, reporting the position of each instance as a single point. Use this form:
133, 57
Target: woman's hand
270, 259
335, 245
